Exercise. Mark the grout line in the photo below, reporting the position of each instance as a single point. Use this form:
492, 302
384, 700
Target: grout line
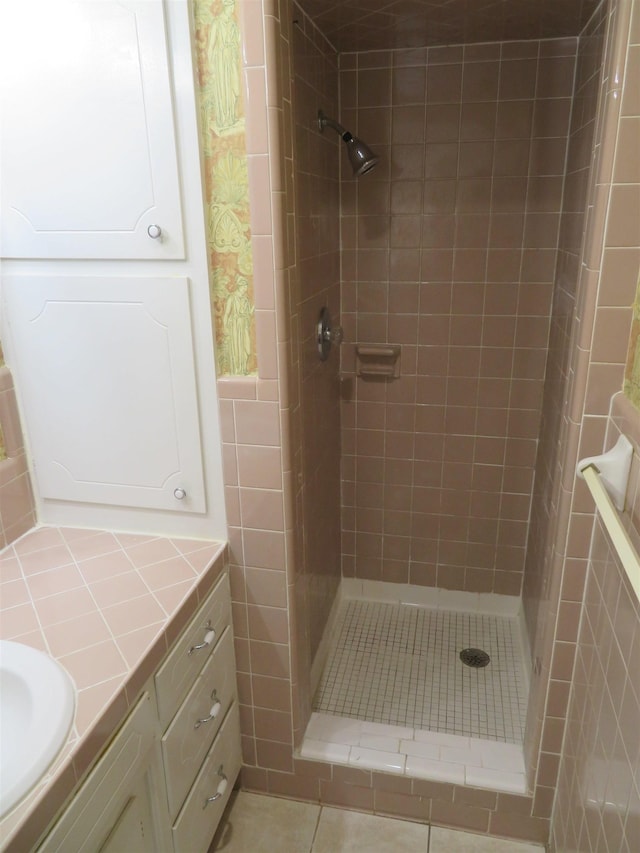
317, 827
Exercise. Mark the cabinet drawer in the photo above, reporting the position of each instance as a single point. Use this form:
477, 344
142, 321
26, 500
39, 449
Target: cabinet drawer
184, 746
197, 822
89, 819
179, 671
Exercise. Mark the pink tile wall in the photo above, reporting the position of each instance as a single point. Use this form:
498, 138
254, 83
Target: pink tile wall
255, 421
274, 427
598, 802
598, 799
449, 249
17, 509
317, 189
595, 287
558, 436
544, 516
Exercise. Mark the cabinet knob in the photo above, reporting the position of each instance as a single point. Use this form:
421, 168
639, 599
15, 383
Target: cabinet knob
154, 231
179, 494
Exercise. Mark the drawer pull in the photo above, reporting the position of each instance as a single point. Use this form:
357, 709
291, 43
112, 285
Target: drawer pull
222, 787
213, 713
209, 637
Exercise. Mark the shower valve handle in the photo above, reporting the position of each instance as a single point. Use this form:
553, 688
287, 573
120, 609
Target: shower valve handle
327, 334
334, 335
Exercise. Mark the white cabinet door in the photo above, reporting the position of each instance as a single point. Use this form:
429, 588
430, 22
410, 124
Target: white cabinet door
120, 806
106, 377
88, 152
134, 828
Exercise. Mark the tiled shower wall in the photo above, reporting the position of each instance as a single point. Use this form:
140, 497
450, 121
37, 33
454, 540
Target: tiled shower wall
544, 514
557, 455
449, 249
317, 284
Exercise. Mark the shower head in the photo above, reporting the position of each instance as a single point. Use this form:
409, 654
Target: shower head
361, 157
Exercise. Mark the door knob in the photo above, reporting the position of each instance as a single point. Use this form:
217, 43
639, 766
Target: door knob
154, 231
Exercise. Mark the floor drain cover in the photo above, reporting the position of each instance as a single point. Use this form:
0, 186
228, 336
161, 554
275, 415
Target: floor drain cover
474, 657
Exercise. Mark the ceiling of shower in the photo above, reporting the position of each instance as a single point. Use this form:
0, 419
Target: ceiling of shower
352, 25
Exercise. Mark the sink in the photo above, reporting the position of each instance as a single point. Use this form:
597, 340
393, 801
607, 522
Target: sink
37, 701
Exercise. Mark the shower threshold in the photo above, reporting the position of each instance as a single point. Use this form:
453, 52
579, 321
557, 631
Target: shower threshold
415, 753
394, 695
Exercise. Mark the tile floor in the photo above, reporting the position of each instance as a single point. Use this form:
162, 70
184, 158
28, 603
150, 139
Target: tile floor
255, 823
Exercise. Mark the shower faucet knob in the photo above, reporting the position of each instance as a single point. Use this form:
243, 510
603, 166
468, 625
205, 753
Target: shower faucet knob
327, 334
336, 334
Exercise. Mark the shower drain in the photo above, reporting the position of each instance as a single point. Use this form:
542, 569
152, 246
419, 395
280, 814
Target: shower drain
476, 658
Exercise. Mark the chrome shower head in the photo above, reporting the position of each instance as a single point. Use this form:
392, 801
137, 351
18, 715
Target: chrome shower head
361, 157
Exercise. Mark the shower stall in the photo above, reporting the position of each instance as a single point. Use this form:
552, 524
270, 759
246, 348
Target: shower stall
428, 481
418, 440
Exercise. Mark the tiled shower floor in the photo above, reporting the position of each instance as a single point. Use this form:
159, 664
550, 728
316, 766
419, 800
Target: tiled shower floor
399, 665
395, 697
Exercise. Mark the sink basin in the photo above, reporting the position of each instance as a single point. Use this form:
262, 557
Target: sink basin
37, 701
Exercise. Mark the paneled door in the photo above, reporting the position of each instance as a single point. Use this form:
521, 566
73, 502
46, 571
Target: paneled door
88, 150
105, 368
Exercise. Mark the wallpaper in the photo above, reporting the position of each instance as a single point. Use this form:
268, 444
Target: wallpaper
632, 372
218, 57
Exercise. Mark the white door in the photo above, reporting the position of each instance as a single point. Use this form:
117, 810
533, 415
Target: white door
88, 152
106, 376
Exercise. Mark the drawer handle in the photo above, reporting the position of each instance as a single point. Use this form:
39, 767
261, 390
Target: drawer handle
213, 713
222, 787
209, 637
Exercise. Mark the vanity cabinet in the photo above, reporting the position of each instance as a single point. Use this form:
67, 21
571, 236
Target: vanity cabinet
164, 781
197, 821
119, 808
199, 719
194, 727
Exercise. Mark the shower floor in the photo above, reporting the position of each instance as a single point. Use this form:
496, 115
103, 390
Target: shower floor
399, 665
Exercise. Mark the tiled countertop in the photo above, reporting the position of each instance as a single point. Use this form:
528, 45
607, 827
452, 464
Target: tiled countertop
107, 606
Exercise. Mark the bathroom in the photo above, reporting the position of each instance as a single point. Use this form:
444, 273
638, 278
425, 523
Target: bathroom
507, 278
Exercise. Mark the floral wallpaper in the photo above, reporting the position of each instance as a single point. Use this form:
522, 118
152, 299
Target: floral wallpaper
218, 57
632, 372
